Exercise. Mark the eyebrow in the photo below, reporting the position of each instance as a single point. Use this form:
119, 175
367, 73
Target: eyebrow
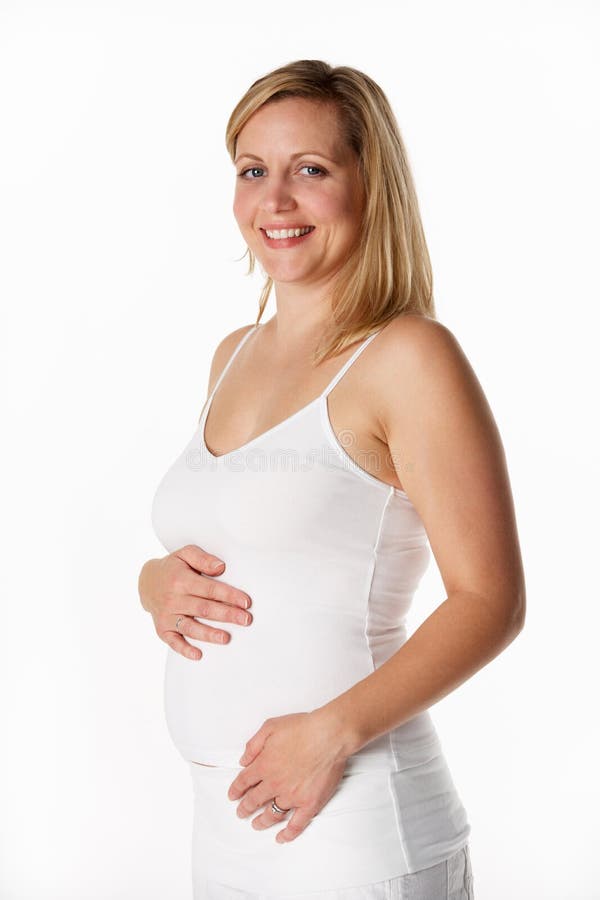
293, 156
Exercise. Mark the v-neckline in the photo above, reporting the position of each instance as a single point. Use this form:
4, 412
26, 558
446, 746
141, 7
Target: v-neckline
258, 437
322, 397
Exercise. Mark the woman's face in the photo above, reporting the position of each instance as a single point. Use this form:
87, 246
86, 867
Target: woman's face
294, 171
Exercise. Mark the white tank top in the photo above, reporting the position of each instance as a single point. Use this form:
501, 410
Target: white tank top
331, 557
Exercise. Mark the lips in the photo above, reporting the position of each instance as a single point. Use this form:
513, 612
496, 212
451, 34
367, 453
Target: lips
306, 229
288, 242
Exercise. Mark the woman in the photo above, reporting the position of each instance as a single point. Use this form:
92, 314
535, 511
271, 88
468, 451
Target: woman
349, 433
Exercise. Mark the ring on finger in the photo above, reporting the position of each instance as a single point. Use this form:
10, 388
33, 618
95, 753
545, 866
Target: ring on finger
278, 809
179, 618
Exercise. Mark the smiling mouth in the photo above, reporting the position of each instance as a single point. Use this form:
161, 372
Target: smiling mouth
283, 234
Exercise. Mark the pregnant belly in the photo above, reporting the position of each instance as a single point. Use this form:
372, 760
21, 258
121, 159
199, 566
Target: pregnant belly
284, 664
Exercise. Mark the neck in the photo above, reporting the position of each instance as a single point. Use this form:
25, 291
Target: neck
303, 313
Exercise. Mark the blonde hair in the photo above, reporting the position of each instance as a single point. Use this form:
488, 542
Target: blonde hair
389, 271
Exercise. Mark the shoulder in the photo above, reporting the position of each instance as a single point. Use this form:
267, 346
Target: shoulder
418, 363
224, 352
411, 338
432, 412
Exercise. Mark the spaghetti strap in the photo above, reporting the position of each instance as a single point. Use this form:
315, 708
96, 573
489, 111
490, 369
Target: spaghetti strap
208, 401
348, 363
231, 359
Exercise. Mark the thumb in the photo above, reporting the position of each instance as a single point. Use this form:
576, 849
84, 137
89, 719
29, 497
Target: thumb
254, 746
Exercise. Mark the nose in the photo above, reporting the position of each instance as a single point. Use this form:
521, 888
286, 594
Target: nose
276, 195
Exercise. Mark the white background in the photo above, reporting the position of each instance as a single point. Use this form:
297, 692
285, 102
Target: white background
118, 279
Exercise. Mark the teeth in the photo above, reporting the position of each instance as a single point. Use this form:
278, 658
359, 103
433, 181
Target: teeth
288, 232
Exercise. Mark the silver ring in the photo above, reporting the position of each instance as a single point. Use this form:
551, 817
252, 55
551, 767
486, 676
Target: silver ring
278, 809
179, 618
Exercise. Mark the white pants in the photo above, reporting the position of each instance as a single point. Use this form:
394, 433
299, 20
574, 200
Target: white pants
448, 880
349, 851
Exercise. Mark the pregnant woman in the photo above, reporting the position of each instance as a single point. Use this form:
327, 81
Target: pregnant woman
342, 441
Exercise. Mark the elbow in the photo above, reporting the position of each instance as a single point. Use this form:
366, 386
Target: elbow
519, 610
509, 610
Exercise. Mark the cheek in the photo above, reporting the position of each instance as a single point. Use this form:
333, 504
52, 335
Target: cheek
241, 209
341, 207
354, 205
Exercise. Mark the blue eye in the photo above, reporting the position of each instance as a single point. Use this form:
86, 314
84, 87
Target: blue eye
308, 166
251, 169
260, 169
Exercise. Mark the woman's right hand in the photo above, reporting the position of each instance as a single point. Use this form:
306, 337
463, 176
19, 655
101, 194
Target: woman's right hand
174, 587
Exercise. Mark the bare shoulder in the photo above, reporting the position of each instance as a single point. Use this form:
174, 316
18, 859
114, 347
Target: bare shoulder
429, 398
419, 363
411, 339
223, 353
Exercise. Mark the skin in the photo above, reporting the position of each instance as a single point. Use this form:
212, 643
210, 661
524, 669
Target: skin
413, 399
279, 189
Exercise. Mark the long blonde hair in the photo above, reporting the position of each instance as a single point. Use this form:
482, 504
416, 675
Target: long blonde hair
389, 271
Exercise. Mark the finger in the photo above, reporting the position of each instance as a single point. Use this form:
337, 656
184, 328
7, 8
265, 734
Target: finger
209, 608
244, 780
199, 559
205, 586
254, 798
198, 631
300, 818
269, 817
257, 796
180, 645
256, 743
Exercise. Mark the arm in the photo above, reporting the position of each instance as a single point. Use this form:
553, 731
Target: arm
448, 453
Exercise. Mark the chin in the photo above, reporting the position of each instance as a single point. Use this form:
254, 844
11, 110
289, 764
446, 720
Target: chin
285, 276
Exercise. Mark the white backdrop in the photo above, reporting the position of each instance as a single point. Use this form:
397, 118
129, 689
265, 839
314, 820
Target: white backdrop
118, 279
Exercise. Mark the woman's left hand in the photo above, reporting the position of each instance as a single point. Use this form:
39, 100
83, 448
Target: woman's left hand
296, 760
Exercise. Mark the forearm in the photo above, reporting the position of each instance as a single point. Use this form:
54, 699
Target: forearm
460, 637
